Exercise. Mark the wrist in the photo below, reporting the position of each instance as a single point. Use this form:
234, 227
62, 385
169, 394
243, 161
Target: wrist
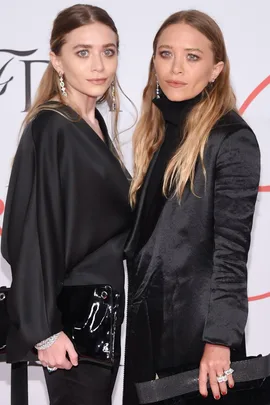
46, 343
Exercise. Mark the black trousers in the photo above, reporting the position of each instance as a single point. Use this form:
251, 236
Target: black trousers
85, 384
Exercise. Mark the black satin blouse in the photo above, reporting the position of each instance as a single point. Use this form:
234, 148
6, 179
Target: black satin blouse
66, 220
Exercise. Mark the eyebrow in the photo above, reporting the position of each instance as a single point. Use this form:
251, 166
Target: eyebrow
186, 49
165, 46
88, 46
194, 49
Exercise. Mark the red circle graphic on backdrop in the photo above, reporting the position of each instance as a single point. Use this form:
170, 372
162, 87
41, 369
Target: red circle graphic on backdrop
254, 94
246, 104
2, 207
266, 188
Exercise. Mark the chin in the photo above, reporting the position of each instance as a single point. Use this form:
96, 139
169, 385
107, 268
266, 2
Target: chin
177, 97
96, 93
178, 94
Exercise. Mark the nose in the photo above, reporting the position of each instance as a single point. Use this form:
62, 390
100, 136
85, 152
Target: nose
178, 65
97, 63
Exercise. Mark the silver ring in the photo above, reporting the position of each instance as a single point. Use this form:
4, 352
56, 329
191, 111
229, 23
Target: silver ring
229, 371
222, 378
51, 369
2, 296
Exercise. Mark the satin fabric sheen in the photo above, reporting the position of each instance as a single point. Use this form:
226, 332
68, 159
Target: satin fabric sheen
66, 220
188, 275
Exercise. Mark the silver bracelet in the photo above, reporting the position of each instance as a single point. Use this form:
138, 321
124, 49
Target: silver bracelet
46, 343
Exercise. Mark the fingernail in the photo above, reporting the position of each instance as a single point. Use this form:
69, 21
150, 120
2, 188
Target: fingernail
204, 395
231, 385
217, 397
224, 393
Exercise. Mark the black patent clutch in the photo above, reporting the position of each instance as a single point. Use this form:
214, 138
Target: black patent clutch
89, 317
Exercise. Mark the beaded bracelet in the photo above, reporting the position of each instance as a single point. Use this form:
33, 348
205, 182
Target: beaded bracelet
46, 343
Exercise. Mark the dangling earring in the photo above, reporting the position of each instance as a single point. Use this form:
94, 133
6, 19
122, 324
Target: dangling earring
62, 85
113, 105
157, 90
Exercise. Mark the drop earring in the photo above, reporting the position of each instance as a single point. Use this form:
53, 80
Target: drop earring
113, 98
157, 90
62, 85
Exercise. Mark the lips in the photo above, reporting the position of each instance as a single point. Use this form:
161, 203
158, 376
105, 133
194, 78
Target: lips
97, 81
175, 83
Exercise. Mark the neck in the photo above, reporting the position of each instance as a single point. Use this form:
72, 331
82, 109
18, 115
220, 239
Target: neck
176, 111
84, 104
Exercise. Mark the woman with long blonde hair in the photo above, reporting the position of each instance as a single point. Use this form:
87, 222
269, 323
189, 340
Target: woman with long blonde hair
67, 217
196, 176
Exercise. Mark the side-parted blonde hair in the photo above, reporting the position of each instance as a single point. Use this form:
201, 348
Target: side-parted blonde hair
150, 129
66, 21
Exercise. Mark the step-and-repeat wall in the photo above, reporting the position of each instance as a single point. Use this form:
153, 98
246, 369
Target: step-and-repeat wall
24, 36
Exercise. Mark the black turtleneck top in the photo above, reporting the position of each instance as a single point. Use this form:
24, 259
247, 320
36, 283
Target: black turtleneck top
174, 114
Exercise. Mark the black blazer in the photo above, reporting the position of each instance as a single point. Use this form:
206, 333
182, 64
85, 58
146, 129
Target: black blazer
189, 281
66, 221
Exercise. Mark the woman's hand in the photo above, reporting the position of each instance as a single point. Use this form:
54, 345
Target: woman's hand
215, 361
55, 355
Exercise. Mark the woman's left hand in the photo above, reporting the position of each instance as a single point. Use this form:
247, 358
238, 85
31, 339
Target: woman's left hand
215, 361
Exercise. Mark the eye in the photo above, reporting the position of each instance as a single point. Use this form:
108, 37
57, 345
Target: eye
192, 57
165, 54
109, 52
83, 53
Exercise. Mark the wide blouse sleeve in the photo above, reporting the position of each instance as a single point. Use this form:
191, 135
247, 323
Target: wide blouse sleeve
33, 235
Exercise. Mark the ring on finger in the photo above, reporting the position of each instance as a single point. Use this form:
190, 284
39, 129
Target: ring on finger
229, 371
51, 369
222, 378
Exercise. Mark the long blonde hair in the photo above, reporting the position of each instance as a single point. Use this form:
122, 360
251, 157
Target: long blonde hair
66, 21
150, 130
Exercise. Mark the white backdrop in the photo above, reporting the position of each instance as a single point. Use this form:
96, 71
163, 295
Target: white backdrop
24, 37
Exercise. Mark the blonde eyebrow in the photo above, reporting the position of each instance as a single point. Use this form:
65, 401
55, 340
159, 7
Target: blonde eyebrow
165, 46
193, 49
186, 49
88, 46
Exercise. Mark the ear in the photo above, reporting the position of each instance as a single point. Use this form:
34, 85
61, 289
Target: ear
56, 62
217, 69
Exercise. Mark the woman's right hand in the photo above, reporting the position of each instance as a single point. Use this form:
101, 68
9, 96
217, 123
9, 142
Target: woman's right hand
56, 354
